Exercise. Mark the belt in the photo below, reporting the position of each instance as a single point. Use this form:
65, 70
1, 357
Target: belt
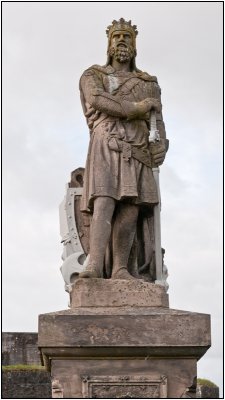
128, 150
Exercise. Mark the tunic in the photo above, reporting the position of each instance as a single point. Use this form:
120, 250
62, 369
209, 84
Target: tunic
116, 134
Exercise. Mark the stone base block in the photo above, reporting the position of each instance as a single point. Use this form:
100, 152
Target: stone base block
123, 352
120, 340
117, 293
124, 378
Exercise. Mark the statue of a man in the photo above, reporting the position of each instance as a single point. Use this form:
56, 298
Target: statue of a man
118, 183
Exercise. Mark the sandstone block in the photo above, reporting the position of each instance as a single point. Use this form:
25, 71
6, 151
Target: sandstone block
117, 293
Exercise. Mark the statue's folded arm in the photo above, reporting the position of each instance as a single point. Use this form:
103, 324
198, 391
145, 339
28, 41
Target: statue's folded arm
95, 95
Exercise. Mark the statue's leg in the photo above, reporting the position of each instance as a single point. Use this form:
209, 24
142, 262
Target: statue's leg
124, 230
99, 236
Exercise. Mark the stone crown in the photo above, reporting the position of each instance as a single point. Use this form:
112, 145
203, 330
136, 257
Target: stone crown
121, 25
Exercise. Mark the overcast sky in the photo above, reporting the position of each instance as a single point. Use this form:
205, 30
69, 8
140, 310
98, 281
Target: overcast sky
46, 47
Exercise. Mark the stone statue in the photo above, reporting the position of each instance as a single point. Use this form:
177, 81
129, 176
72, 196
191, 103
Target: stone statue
119, 187
120, 339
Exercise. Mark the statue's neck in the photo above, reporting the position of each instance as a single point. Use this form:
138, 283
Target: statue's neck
120, 66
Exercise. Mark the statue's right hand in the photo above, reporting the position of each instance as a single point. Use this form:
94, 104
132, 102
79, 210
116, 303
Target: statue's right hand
150, 103
138, 109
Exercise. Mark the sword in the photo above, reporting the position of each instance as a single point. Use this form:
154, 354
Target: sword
153, 138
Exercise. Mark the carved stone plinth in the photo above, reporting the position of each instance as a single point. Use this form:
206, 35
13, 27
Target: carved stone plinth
107, 347
118, 293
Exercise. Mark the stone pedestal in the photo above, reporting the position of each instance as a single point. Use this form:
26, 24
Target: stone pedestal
121, 340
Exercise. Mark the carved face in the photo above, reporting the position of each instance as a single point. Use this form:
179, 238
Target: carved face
121, 37
121, 46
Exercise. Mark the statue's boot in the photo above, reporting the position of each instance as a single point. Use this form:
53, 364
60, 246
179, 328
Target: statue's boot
90, 272
122, 273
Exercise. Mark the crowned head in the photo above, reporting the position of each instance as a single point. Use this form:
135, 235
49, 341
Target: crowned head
122, 41
122, 26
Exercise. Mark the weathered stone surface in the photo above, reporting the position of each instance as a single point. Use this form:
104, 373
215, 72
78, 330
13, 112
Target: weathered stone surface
18, 384
135, 327
93, 343
89, 348
176, 373
122, 106
26, 384
117, 293
124, 386
20, 348
207, 392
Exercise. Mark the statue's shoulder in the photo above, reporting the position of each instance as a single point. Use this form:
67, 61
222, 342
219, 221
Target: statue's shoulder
147, 77
96, 69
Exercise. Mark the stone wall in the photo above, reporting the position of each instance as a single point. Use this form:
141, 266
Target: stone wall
207, 392
20, 348
17, 383
26, 384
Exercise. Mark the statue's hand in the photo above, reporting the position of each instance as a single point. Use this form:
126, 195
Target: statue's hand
158, 152
149, 103
138, 109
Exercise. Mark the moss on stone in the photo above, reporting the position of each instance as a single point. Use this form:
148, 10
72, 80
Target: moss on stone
23, 367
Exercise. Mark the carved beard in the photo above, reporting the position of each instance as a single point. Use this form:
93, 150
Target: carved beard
122, 54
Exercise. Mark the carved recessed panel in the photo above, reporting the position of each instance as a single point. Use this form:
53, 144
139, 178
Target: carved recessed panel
124, 387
